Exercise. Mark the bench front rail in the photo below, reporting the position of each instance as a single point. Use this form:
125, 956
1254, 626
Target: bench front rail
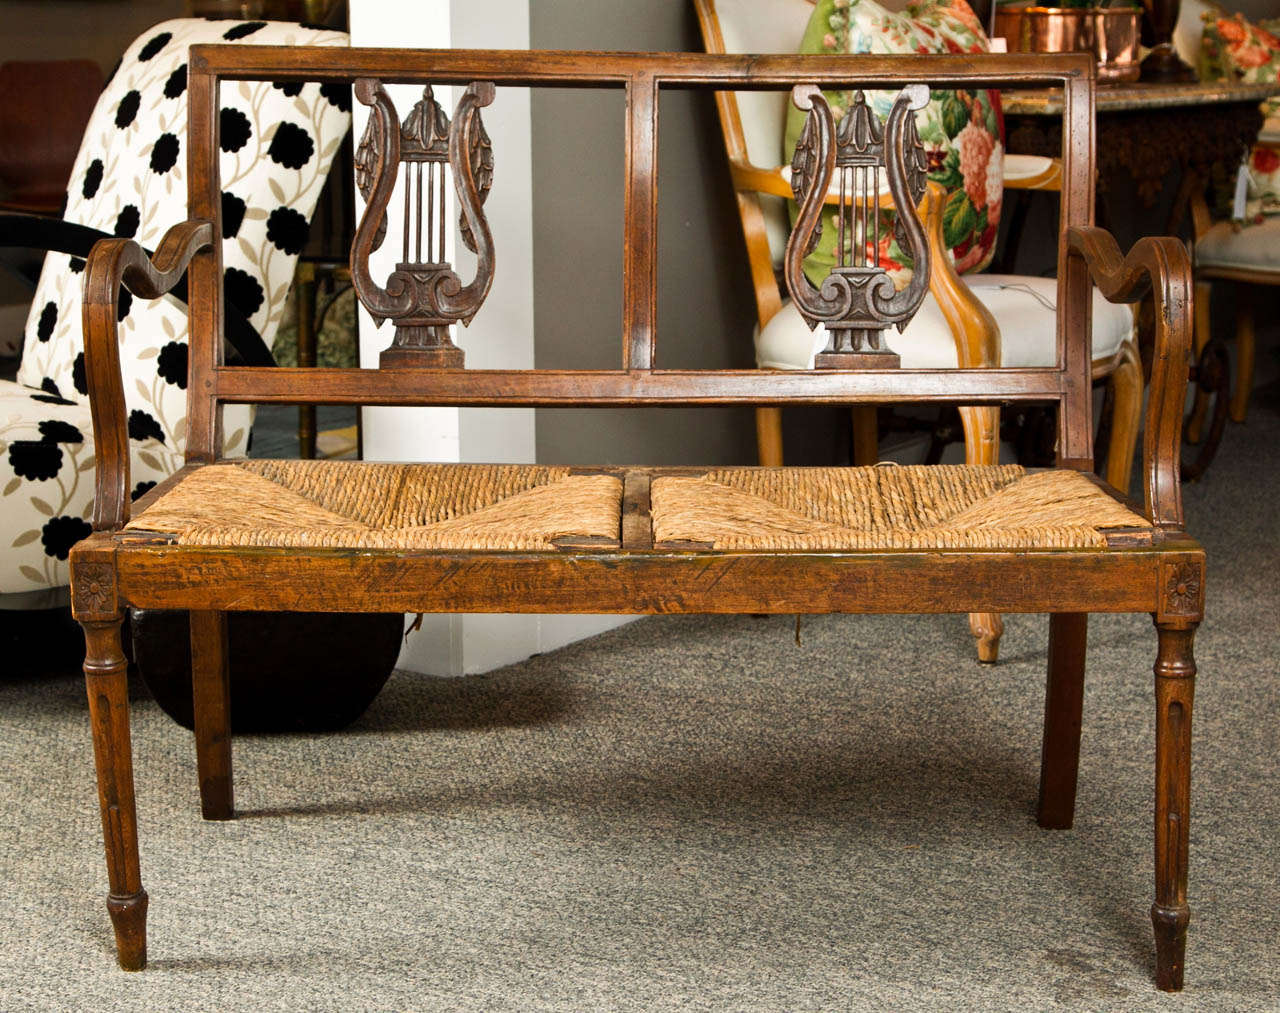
221, 536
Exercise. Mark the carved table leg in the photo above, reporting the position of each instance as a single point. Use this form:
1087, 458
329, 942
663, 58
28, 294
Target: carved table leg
108, 688
1175, 685
1063, 702
211, 704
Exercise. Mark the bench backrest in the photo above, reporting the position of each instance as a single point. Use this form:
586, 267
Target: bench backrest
638, 380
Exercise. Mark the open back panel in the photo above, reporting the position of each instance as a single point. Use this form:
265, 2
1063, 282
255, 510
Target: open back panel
638, 380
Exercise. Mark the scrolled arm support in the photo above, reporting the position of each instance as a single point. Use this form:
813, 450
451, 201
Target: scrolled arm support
1159, 265
111, 263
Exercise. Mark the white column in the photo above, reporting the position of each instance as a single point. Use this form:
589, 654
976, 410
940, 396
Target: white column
501, 335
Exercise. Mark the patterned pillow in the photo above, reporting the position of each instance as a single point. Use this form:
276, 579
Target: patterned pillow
129, 179
1232, 48
962, 131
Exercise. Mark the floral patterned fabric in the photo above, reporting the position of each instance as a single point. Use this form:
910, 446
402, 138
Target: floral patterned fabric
1232, 48
129, 179
962, 131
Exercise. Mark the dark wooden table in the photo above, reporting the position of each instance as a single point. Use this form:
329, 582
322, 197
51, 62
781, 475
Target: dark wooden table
1149, 132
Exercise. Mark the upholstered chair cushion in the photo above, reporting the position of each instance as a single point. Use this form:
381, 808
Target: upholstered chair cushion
1257, 247
129, 179
1024, 308
962, 131
1235, 49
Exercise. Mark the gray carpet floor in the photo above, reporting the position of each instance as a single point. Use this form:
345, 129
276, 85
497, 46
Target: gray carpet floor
689, 813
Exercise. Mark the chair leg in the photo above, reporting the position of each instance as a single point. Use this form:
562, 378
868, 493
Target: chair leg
982, 446
866, 437
211, 700
769, 436
1175, 686
1063, 703
1126, 415
107, 684
1194, 428
1244, 353
305, 300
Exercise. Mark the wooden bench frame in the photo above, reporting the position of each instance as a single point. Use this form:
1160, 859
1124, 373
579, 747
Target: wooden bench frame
1162, 575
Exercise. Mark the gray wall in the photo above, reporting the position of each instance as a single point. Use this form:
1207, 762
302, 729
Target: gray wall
705, 307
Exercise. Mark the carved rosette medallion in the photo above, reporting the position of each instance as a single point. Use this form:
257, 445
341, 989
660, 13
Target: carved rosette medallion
1182, 589
93, 589
845, 166
423, 296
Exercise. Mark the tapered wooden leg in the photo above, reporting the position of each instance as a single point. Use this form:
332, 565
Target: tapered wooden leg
866, 436
987, 629
1244, 353
1126, 416
1063, 703
211, 697
1175, 686
769, 436
1200, 407
107, 684
982, 446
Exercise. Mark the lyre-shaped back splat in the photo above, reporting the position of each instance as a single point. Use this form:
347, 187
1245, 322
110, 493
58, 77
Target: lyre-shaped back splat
857, 299
423, 295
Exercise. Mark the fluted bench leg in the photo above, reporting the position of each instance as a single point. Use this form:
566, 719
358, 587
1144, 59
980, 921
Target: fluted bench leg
107, 683
1175, 686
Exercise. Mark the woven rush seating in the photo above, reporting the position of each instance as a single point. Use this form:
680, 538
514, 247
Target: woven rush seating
868, 509
357, 504
366, 505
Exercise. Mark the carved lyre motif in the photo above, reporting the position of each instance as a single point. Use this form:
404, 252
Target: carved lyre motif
857, 300
423, 296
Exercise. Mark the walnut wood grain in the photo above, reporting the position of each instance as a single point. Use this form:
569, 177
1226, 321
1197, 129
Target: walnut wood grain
641, 583
633, 388
1063, 705
1175, 671
107, 684
211, 707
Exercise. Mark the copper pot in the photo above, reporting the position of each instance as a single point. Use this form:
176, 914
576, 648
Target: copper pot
1111, 34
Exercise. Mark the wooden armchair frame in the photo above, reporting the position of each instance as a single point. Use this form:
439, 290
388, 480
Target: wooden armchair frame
1157, 570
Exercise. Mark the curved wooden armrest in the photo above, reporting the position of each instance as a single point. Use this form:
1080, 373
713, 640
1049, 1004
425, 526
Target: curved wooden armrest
38, 233
1159, 265
111, 263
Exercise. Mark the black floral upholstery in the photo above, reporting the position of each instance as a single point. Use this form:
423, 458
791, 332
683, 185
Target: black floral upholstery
129, 180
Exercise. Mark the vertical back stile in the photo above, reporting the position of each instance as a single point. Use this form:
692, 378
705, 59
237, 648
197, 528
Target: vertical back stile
640, 225
204, 417
1075, 417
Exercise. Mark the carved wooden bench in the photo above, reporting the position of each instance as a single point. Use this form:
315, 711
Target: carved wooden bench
358, 536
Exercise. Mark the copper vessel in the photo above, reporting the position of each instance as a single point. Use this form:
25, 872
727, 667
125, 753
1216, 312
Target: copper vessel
1110, 34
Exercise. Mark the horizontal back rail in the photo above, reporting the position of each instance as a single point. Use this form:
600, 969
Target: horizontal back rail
611, 388
574, 69
642, 76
